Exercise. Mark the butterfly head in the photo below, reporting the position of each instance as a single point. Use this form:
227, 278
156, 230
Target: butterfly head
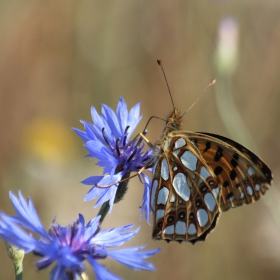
174, 122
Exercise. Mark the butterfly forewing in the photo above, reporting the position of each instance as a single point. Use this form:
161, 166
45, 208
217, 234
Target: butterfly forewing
242, 176
196, 177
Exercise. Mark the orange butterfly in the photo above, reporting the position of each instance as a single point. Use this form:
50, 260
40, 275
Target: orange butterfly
196, 177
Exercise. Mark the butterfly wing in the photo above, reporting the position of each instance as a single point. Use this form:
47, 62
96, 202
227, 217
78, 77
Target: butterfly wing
185, 195
242, 176
197, 176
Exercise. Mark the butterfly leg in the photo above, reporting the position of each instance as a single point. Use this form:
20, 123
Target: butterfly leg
146, 140
142, 135
128, 178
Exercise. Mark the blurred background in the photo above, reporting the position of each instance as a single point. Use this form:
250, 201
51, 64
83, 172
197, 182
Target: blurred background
57, 58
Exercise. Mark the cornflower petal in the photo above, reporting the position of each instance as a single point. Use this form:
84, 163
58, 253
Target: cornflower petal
112, 121
91, 228
133, 118
13, 234
101, 272
58, 272
146, 198
95, 192
114, 237
122, 114
27, 214
95, 148
104, 193
68, 247
92, 180
133, 259
82, 134
97, 120
110, 179
109, 195
91, 129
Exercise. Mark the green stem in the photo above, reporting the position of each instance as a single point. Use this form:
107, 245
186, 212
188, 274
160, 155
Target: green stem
103, 211
18, 271
16, 255
81, 276
122, 188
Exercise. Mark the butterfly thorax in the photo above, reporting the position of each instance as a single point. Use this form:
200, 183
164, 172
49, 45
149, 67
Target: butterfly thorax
162, 145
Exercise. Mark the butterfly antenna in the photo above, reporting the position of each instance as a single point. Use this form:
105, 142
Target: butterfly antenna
152, 117
211, 84
160, 64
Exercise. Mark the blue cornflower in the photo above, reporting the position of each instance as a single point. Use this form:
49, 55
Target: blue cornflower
107, 139
69, 246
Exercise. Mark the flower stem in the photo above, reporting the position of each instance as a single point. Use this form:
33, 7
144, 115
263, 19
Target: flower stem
82, 276
16, 255
103, 211
122, 188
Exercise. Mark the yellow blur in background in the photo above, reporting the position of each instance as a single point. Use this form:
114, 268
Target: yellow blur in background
57, 58
49, 141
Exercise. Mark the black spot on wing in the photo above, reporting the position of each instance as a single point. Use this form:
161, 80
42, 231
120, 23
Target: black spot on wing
182, 215
207, 146
195, 142
191, 216
219, 154
230, 196
236, 156
233, 163
225, 184
218, 170
267, 173
233, 175
263, 167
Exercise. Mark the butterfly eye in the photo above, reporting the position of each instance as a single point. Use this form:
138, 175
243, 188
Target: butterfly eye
182, 215
170, 219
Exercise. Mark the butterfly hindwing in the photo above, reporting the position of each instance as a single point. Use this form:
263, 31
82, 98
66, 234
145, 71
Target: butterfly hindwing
185, 195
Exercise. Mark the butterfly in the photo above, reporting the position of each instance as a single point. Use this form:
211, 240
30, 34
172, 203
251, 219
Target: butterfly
196, 177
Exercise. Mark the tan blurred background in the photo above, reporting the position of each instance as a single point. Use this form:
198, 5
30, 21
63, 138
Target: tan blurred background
57, 58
